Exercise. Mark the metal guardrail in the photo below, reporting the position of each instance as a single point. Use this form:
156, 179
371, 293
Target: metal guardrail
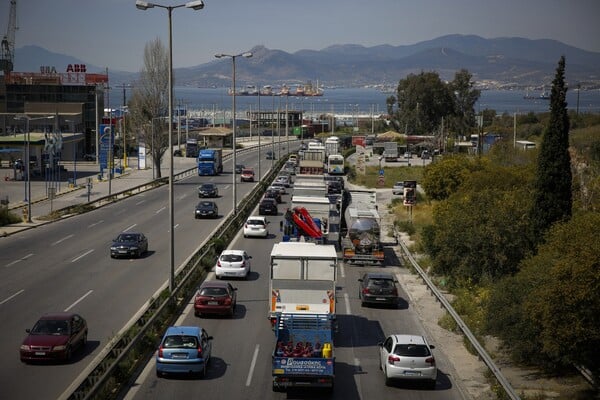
483, 355
94, 385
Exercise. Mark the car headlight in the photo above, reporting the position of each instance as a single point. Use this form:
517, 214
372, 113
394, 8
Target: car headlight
113, 248
59, 348
25, 347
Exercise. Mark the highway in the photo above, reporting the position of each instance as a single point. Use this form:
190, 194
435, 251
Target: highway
66, 266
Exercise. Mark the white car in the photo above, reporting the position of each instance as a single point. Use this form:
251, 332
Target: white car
256, 226
278, 186
234, 264
408, 154
398, 188
407, 357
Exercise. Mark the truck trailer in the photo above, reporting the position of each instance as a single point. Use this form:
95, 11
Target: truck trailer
210, 162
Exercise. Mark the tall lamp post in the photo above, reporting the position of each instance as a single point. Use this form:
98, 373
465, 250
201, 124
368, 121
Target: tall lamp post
233, 57
26, 162
195, 5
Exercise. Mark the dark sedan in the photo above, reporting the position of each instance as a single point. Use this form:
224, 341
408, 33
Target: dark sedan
129, 244
267, 207
54, 337
206, 209
239, 168
378, 288
273, 194
208, 190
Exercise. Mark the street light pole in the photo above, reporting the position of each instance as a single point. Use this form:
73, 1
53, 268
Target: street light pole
233, 57
195, 5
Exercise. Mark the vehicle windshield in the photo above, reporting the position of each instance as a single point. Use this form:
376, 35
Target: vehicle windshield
213, 291
255, 222
126, 238
206, 205
411, 350
382, 283
180, 342
50, 327
231, 257
207, 186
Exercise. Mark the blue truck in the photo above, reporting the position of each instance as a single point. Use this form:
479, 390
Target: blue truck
210, 162
303, 355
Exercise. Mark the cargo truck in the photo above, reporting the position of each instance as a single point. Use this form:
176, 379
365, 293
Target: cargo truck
210, 162
302, 279
303, 356
361, 242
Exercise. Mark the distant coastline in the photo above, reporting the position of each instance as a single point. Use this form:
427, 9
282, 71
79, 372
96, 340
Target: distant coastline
367, 101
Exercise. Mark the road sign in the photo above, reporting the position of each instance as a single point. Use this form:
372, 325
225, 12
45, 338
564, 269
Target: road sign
381, 180
381, 172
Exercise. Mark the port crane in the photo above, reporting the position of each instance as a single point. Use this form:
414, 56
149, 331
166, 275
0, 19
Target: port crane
7, 49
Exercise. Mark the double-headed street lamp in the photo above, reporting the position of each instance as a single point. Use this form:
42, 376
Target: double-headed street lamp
195, 5
27, 162
233, 57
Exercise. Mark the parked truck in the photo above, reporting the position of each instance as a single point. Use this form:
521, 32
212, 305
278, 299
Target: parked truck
361, 242
302, 279
210, 162
332, 145
303, 354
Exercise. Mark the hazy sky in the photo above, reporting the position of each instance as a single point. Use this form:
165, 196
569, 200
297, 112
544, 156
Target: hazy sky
113, 33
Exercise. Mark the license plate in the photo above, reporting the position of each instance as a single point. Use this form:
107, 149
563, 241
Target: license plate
213, 303
40, 353
122, 251
180, 355
412, 373
379, 298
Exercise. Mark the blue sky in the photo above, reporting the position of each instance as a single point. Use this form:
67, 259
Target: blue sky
113, 33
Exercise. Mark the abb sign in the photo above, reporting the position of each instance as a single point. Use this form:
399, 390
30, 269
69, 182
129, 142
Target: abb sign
76, 68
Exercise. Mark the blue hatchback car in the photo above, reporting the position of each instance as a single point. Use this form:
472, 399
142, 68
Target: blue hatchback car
184, 350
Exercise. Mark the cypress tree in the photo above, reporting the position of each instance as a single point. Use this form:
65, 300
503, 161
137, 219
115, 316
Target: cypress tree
553, 195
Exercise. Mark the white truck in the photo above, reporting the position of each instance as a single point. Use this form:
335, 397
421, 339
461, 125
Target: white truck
390, 151
302, 279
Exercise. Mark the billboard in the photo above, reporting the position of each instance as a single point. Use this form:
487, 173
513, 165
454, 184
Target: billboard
410, 193
107, 138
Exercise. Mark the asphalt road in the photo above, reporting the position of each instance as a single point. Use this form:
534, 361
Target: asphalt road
66, 266
241, 356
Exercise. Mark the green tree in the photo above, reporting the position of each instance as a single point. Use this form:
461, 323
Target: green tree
549, 312
149, 101
465, 97
566, 305
423, 100
477, 233
553, 195
442, 178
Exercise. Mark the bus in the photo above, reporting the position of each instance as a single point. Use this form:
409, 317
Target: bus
335, 164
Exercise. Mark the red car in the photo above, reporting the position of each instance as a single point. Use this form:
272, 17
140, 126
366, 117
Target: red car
247, 175
215, 297
54, 337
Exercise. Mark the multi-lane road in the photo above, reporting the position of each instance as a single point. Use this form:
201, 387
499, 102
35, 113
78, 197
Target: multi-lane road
66, 266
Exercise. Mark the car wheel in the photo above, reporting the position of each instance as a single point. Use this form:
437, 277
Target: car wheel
388, 380
158, 374
69, 354
196, 313
431, 384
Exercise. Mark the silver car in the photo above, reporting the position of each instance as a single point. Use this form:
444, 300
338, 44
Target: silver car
407, 357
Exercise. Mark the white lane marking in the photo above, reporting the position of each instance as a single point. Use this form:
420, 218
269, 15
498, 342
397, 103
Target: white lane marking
78, 300
252, 365
347, 302
176, 225
129, 227
95, 223
62, 240
139, 202
342, 270
81, 256
160, 209
11, 297
19, 260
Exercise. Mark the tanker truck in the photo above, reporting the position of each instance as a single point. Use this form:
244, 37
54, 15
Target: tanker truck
361, 242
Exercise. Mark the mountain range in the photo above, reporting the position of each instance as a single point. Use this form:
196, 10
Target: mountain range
494, 63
